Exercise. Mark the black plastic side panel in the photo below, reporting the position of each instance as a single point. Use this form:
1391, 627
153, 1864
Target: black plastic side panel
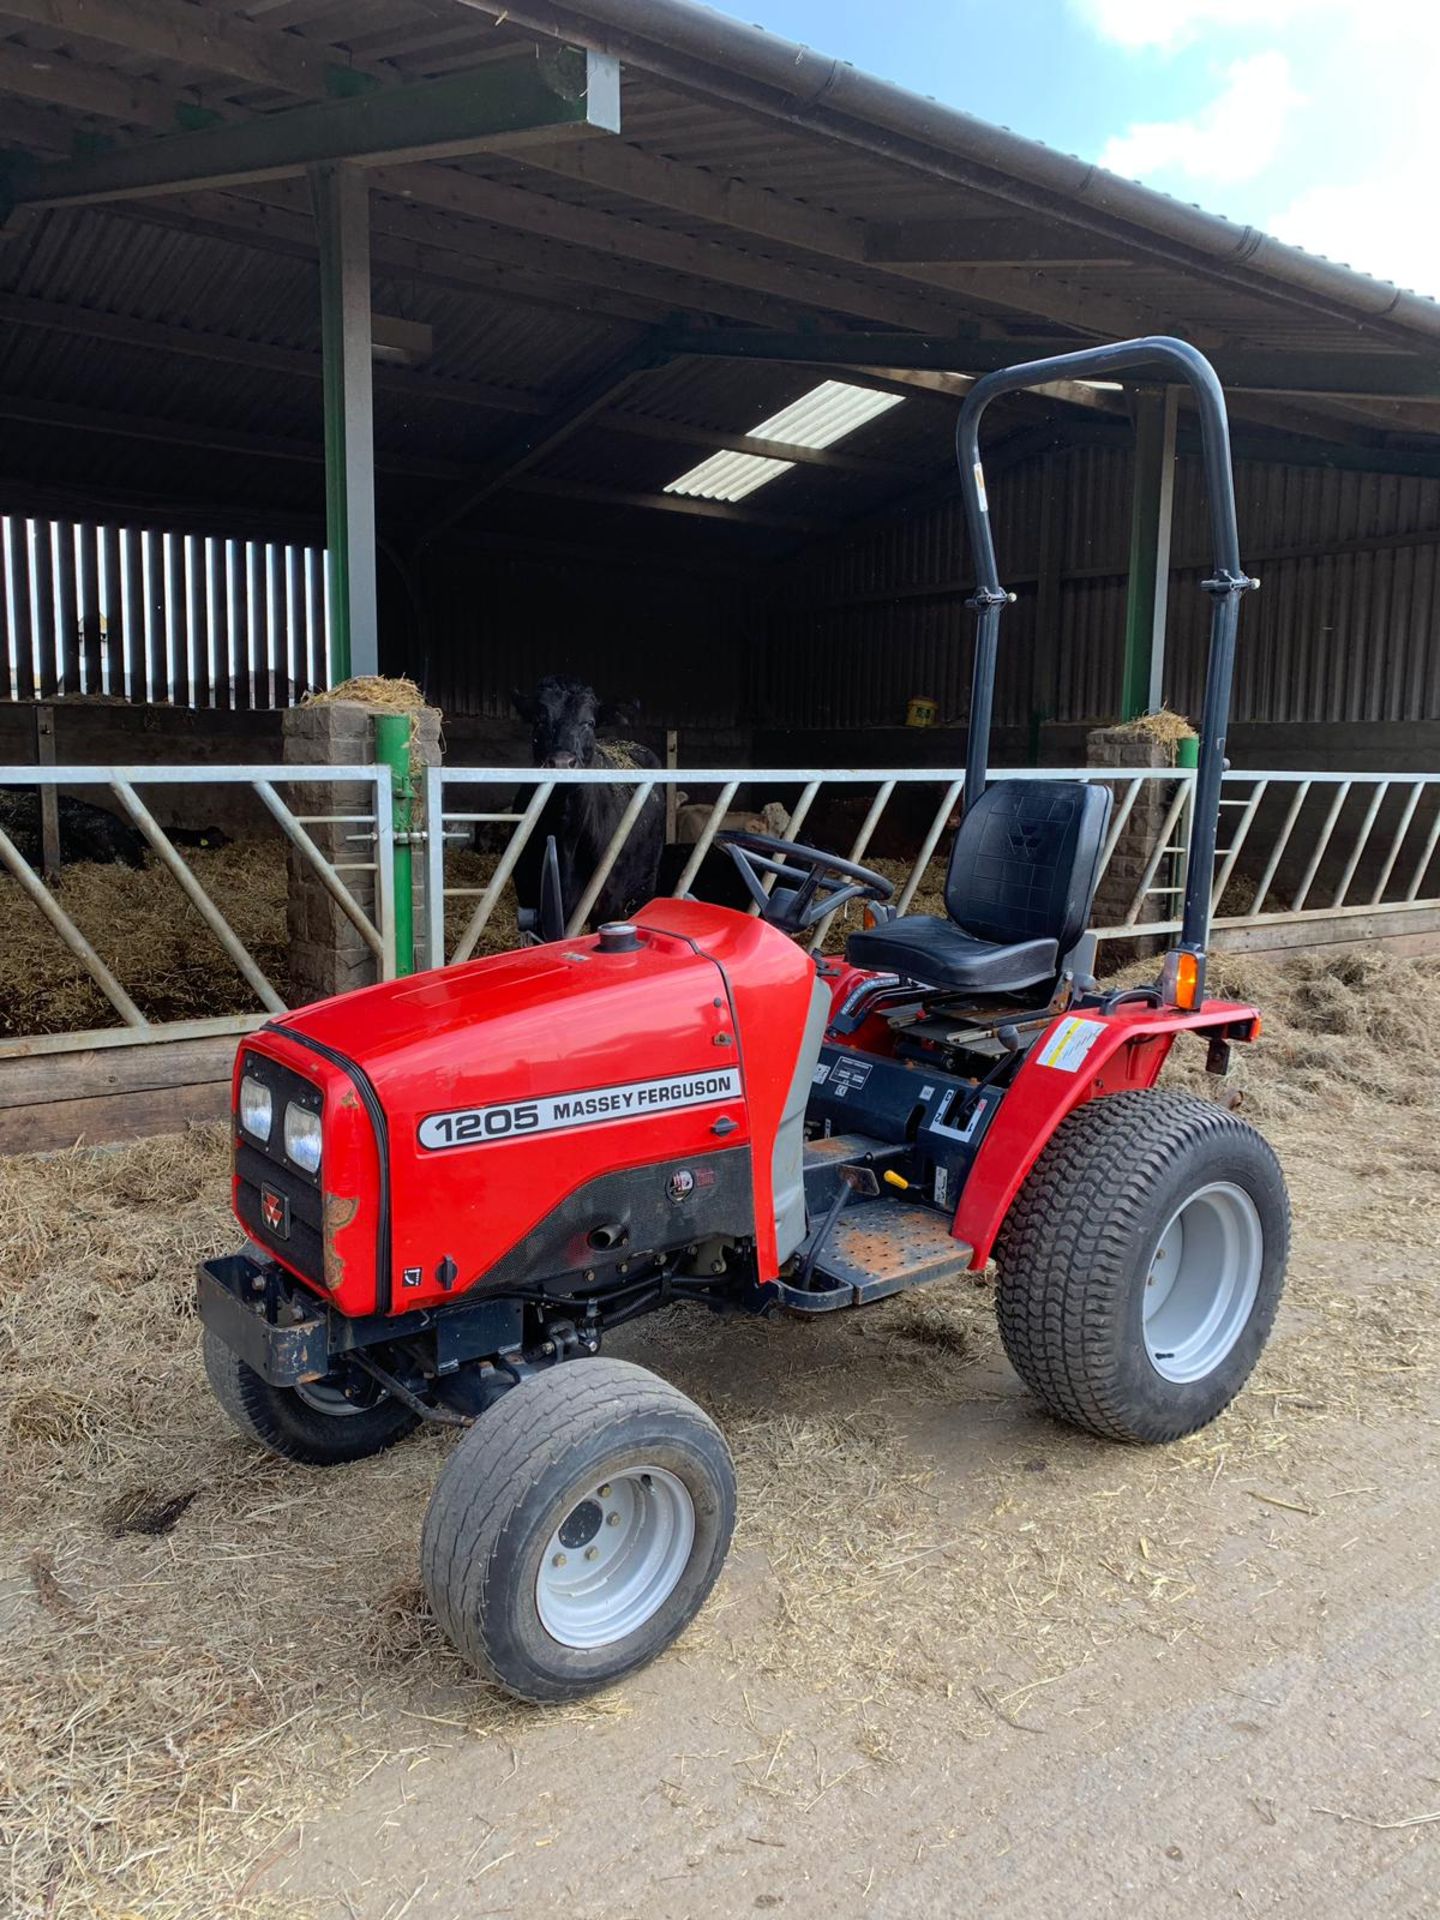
670, 1204
891, 1101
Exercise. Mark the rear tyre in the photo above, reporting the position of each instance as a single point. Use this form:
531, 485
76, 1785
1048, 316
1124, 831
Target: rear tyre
1141, 1265
577, 1529
316, 1424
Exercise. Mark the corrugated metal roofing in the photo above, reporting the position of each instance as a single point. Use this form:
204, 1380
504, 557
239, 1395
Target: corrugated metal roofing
531, 301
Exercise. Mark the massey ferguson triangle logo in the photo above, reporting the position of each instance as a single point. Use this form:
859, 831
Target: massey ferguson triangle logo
275, 1212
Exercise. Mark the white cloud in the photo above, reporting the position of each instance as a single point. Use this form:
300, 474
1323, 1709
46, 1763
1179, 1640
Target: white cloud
1233, 137
1169, 24
1323, 128
1365, 224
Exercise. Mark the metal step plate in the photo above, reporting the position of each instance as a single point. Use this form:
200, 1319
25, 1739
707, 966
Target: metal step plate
880, 1248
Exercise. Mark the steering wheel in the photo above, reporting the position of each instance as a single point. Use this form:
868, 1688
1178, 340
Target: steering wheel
817, 883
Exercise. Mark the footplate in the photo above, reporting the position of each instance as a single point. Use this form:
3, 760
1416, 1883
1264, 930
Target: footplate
876, 1249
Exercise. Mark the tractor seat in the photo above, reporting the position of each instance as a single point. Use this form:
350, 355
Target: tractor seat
1018, 892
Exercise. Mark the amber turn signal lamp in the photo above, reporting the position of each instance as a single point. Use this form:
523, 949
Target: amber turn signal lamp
1187, 980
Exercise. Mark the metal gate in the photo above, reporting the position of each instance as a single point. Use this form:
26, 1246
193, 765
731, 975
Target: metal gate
1326, 855
372, 831
1295, 848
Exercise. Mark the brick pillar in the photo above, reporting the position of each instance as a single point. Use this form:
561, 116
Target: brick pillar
326, 953
1126, 747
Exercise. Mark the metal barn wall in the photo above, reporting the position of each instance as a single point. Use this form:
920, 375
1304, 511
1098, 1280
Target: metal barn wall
675, 641
175, 617
1346, 626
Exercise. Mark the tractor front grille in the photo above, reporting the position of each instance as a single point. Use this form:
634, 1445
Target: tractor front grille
261, 1168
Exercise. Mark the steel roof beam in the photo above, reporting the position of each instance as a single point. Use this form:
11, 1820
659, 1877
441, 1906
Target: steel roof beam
463, 113
679, 503
1362, 375
652, 426
178, 433
532, 443
88, 323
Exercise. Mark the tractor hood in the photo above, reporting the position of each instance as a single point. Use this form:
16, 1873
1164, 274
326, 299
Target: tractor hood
496, 1088
565, 1005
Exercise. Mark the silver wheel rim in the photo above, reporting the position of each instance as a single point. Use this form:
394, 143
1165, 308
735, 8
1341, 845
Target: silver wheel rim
616, 1557
328, 1400
1203, 1280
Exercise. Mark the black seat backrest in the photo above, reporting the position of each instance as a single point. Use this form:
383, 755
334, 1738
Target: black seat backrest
1026, 861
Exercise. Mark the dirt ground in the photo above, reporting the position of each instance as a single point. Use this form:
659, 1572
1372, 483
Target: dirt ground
963, 1661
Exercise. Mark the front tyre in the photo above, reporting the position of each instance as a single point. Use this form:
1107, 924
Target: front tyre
577, 1529
316, 1424
1141, 1265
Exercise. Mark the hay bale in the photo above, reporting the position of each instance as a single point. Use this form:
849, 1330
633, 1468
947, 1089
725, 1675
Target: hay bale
1162, 726
370, 690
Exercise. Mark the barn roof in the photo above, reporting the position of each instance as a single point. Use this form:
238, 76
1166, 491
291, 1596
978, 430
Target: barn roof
596, 314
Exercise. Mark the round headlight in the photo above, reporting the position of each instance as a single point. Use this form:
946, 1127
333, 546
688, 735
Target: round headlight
257, 1112
302, 1137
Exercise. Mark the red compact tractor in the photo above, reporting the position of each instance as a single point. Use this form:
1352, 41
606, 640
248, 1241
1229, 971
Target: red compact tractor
455, 1186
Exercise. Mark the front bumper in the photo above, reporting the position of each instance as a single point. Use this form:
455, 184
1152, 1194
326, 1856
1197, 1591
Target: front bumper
287, 1336
246, 1303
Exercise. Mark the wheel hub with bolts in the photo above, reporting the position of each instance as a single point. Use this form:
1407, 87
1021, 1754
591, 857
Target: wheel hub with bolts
615, 1558
1202, 1283
324, 1397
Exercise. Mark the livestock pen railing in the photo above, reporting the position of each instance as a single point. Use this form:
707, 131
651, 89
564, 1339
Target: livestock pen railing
1303, 856
369, 829
1294, 847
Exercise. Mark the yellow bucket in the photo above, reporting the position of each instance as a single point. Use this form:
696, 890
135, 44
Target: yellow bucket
921, 712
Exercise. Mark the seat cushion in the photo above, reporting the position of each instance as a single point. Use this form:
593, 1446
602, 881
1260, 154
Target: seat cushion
939, 954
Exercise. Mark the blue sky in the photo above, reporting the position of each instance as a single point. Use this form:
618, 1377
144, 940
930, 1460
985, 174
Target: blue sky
1318, 120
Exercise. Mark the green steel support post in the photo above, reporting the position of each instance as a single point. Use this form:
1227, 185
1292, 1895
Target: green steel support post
1151, 512
392, 749
342, 215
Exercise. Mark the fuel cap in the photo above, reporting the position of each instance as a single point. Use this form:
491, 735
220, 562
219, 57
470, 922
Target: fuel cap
619, 936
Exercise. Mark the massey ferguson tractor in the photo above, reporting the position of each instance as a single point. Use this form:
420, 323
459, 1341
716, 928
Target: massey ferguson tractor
455, 1186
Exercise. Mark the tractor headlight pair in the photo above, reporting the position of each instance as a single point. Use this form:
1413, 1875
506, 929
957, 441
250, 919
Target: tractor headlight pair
302, 1127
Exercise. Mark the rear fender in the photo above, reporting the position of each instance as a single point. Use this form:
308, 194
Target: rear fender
1079, 1057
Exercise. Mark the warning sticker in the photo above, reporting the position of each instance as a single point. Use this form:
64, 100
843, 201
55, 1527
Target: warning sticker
980, 487
847, 1076
1069, 1043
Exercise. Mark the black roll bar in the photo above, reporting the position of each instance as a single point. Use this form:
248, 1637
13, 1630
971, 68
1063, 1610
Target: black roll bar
1227, 584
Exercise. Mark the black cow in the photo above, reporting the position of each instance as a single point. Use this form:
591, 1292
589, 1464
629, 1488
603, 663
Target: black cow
563, 716
86, 832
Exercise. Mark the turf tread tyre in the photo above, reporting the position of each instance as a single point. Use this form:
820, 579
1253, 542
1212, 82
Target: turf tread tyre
283, 1423
479, 1518
1077, 1243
